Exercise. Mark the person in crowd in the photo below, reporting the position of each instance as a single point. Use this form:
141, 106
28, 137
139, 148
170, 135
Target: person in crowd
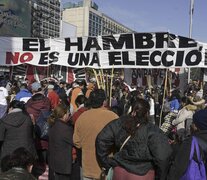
124, 100
181, 159
174, 101
16, 130
146, 152
24, 94
171, 106
87, 126
80, 103
36, 106
90, 88
60, 144
53, 96
38, 102
19, 165
149, 97
3, 98
77, 90
184, 118
62, 87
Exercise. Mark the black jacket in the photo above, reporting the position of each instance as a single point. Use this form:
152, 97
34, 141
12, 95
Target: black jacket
148, 149
182, 154
16, 130
60, 147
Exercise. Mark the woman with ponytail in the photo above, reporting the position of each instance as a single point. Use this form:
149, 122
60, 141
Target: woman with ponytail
16, 130
60, 144
145, 153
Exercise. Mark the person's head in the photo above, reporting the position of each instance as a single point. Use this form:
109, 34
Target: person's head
81, 82
50, 87
23, 86
97, 98
81, 99
199, 121
36, 87
17, 104
140, 110
60, 112
62, 84
138, 116
22, 158
185, 101
3, 83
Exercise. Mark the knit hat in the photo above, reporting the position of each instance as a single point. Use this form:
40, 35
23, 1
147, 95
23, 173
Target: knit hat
35, 86
200, 119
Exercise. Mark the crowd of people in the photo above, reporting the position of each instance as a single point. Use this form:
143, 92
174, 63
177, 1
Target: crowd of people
79, 132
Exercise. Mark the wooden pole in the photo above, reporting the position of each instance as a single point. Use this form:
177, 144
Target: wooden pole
112, 76
107, 85
103, 80
163, 99
95, 73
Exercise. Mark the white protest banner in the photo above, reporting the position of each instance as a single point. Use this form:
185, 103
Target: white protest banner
132, 50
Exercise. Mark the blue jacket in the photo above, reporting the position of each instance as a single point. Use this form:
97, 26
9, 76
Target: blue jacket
174, 105
23, 95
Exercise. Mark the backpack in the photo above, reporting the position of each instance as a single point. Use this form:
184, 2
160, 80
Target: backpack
41, 126
196, 169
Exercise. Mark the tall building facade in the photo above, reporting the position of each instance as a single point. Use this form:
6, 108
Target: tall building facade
90, 21
46, 16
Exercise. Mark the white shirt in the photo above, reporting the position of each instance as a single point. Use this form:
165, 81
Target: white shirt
3, 95
152, 107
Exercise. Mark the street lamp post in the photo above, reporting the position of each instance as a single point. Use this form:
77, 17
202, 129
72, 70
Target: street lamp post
190, 30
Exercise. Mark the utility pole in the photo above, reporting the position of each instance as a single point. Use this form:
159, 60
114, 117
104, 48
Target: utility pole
190, 29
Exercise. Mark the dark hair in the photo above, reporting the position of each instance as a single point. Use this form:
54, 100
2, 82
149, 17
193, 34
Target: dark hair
17, 104
23, 86
185, 100
117, 110
96, 98
81, 99
140, 109
21, 157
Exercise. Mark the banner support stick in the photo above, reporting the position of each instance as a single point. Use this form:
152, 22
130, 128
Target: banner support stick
112, 76
163, 99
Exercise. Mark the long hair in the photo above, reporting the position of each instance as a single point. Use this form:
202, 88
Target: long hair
138, 115
57, 113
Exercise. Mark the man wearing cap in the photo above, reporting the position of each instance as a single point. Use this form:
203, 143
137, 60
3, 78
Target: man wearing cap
38, 102
53, 96
35, 106
199, 131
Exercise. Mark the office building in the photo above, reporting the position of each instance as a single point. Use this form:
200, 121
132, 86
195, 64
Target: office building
90, 21
46, 17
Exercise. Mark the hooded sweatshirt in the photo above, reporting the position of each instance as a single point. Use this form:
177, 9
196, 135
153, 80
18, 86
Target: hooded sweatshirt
16, 130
